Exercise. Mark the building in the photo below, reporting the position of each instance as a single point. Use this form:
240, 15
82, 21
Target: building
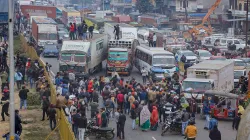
3, 12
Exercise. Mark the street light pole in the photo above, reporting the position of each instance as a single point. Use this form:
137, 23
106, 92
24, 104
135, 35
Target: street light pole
247, 25
11, 69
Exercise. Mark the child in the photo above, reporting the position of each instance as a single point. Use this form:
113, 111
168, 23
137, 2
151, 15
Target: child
133, 116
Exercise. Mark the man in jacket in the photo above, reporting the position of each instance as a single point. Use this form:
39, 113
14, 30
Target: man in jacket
91, 29
18, 77
94, 108
74, 122
206, 111
215, 134
120, 100
5, 106
52, 117
121, 122
185, 118
236, 121
45, 106
117, 31
71, 31
82, 125
213, 122
84, 31
23, 94
4, 79
191, 131
18, 125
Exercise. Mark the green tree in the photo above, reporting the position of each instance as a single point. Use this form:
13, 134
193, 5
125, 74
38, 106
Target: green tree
144, 6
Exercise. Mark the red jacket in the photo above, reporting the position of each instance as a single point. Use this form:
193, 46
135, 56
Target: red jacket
72, 28
120, 98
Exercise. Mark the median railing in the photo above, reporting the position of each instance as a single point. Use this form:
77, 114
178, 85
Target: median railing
64, 127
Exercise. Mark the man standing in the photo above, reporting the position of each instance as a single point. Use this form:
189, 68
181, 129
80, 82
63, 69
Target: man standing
104, 118
82, 125
18, 125
117, 31
117, 115
45, 106
236, 121
5, 106
121, 122
18, 77
4, 79
154, 40
191, 131
91, 29
185, 117
213, 122
71, 31
52, 117
206, 111
94, 108
144, 73
23, 94
84, 31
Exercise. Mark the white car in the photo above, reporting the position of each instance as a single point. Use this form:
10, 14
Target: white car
240, 44
202, 55
190, 56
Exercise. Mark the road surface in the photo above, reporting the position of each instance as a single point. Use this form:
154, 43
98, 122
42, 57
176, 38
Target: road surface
224, 126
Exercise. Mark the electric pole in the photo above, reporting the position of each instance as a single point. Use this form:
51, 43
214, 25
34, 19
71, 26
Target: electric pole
247, 25
11, 59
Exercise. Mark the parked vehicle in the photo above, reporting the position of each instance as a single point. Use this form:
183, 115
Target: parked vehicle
44, 30
121, 56
83, 56
240, 44
107, 132
190, 56
202, 55
50, 50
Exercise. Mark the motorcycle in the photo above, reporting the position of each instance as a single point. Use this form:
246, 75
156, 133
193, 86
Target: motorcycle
172, 125
107, 132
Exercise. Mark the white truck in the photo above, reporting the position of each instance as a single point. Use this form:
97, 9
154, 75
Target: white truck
209, 75
83, 56
126, 31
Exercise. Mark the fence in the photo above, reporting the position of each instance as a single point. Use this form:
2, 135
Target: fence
65, 129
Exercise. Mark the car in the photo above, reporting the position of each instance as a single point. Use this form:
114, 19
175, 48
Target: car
62, 35
247, 61
217, 58
50, 50
240, 44
239, 64
202, 55
190, 56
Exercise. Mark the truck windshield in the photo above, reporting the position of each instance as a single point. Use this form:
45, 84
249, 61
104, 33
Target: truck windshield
79, 58
239, 63
238, 74
66, 57
52, 36
163, 60
42, 36
118, 56
196, 85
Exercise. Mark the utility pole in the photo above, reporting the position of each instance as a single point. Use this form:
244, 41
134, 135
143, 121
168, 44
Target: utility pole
247, 25
186, 14
11, 59
234, 8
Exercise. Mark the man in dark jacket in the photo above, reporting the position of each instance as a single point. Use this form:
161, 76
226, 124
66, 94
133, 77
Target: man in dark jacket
45, 106
18, 125
52, 117
74, 124
236, 121
5, 106
117, 31
215, 134
94, 108
95, 96
121, 122
23, 94
82, 125
91, 29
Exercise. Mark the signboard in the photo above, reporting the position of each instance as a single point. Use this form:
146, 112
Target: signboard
3, 18
129, 33
49, 10
46, 28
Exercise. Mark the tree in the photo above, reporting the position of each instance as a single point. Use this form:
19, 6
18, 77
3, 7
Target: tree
144, 6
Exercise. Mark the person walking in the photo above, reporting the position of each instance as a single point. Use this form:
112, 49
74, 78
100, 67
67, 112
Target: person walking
117, 115
191, 131
215, 134
121, 122
23, 94
154, 40
104, 118
84, 31
82, 125
144, 74
150, 40
145, 118
120, 100
52, 117
185, 117
5, 106
18, 77
206, 111
133, 116
154, 119
91, 29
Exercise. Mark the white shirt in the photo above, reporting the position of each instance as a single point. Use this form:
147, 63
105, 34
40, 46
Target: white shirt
154, 37
144, 72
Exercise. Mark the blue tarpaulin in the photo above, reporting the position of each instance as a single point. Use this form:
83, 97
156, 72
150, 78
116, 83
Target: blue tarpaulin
197, 14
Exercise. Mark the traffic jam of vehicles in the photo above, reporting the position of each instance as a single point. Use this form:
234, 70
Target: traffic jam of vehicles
200, 67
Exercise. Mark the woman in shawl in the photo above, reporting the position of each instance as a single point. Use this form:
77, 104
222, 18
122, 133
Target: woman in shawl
145, 118
154, 119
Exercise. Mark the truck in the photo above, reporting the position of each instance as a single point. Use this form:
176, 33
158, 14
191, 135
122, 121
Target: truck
86, 57
209, 75
126, 31
71, 16
120, 56
44, 30
49, 10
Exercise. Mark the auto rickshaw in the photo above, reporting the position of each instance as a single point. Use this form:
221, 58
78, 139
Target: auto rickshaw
222, 105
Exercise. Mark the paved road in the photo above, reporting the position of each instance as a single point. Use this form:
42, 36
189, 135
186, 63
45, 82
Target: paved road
224, 126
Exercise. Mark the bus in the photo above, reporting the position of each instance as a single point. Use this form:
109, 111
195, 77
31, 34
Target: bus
149, 57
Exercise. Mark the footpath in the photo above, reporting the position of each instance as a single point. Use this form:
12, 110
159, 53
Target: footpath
33, 127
